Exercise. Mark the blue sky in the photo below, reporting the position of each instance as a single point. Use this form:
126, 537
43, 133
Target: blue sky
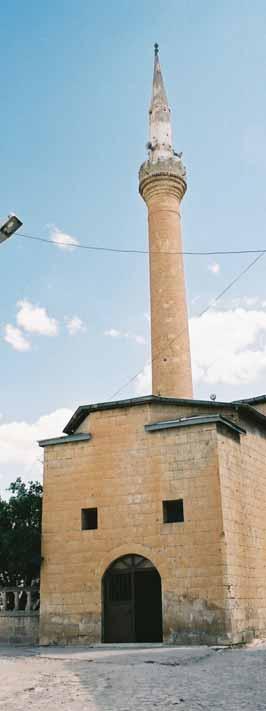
75, 85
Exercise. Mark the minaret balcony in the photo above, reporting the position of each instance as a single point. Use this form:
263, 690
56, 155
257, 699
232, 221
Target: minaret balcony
163, 175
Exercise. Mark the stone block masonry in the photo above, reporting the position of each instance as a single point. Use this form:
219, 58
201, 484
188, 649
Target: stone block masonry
19, 618
126, 473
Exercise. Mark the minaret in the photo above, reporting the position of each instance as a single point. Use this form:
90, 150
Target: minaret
162, 184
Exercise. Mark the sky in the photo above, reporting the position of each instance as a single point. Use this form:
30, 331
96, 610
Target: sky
75, 91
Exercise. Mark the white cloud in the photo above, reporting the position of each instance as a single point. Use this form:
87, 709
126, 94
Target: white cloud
75, 325
247, 302
214, 268
16, 338
227, 347
137, 339
143, 381
35, 319
147, 316
114, 333
195, 299
62, 239
20, 454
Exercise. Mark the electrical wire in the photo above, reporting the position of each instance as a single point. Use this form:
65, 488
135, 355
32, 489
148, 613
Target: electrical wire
204, 311
139, 251
259, 252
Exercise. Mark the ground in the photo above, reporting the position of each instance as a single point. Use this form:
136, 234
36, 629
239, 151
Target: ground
123, 679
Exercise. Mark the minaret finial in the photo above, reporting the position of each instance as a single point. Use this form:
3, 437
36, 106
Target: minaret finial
156, 49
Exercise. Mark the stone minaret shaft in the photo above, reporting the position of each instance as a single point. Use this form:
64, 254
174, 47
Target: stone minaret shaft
162, 186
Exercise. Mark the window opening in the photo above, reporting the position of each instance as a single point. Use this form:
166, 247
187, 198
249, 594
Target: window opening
173, 511
89, 519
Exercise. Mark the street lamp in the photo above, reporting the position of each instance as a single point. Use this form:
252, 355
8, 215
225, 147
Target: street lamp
11, 225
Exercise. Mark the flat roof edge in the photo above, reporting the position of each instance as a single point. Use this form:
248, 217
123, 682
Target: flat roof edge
80, 437
250, 400
84, 410
198, 420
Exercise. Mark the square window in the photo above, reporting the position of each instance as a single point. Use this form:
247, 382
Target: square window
173, 511
89, 519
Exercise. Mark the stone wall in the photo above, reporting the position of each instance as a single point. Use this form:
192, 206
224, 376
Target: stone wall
126, 473
243, 487
19, 628
19, 618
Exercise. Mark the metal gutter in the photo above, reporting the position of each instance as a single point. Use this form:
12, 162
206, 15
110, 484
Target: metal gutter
243, 407
84, 410
190, 421
250, 400
81, 437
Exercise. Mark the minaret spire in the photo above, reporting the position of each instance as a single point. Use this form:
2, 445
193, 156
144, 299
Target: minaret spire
158, 90
162, 184
160, 133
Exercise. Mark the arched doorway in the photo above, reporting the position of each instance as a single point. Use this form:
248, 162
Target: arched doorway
132, 601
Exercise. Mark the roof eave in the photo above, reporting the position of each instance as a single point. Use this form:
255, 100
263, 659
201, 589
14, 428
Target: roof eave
80, 437
84, 410
195, 421
250, 400
250, 412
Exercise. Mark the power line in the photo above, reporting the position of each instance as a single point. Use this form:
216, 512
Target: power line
115, 250
234, 281
260, 253
204, 311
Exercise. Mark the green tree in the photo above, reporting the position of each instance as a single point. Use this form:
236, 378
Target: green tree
20, 534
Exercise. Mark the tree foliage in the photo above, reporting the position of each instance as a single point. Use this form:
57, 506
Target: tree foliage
20, 534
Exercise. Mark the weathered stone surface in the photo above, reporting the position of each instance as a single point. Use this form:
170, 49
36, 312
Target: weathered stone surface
212, 565
171, 167
19, 628
162, 186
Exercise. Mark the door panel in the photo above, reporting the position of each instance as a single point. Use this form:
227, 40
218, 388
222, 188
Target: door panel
132, 601
148, 606
119, 622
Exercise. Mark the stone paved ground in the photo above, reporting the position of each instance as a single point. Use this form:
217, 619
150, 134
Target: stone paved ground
158, 678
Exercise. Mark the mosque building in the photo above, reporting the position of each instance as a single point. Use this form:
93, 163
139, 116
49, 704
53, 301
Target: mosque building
154, 510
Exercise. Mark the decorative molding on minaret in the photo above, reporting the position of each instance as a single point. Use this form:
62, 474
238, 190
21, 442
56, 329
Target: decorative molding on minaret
162, 184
